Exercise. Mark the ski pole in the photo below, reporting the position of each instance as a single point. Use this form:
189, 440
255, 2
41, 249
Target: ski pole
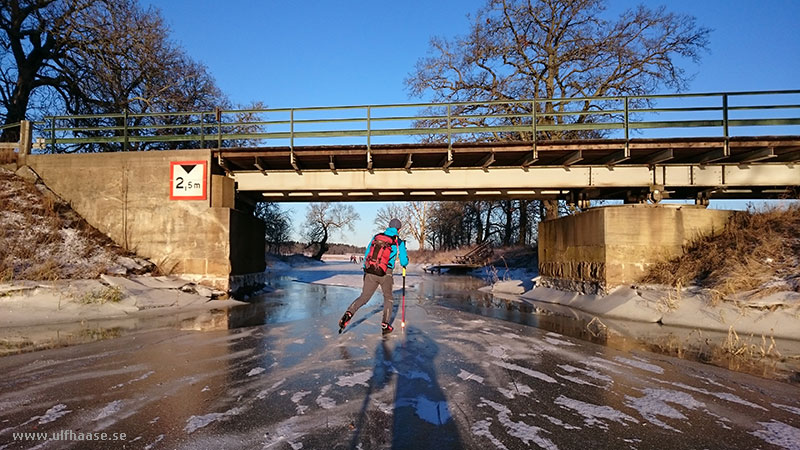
403, 319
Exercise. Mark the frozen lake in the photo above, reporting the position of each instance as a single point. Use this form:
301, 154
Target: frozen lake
467, 372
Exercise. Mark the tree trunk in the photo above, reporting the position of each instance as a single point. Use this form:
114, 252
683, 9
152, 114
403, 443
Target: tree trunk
509, 209
523, 222
323, 246
488, 227
549, 209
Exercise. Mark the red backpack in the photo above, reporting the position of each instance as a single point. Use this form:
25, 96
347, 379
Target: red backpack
377, 262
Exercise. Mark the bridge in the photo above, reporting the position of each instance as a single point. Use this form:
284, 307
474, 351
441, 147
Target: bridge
635, 148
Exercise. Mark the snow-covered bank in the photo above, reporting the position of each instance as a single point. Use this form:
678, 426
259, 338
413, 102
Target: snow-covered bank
777, 315
27, 304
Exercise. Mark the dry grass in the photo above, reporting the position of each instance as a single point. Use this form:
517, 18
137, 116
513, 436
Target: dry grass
756, 250
106, 294
506, 257
42, 238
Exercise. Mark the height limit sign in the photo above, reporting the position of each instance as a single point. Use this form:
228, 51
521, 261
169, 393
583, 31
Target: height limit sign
188, 180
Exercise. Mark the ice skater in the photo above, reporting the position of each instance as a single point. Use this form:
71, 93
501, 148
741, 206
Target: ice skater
379, 259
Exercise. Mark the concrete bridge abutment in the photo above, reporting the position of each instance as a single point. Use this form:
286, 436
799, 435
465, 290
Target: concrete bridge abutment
131, 197
609, 246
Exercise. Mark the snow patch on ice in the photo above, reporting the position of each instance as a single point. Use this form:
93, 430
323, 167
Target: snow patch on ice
779, 433
264, 392
654, 404
481, 428
142, 377
520, 430
526, 371
464, 375
603, 364
710, 381
109, 410
560, 423
296, 398
497, 351
640, 365
515, 388
53, 414
553, 341
196, 422
256, 371
721, 395
323, 401
577, 380
592, 414
357, 378
791, 409
590, 373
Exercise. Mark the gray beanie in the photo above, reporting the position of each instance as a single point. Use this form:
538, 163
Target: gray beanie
395, 223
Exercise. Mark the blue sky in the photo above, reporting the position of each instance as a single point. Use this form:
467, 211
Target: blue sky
325, 53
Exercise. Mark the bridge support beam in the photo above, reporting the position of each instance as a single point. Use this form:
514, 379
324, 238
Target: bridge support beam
127, 197
614, 245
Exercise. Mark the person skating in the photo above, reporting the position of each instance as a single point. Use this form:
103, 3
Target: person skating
382, 251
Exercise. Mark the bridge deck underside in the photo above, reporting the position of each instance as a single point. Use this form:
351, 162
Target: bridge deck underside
753, 167
516, 154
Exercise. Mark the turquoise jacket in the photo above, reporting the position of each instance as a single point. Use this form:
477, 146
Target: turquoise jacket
397, 250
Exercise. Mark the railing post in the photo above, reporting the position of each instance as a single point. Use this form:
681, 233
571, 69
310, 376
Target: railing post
125, 130
726, 149
53, 133
533, 126
627, 151
449, 133
202, 130
369, 128
25, 138
218, 116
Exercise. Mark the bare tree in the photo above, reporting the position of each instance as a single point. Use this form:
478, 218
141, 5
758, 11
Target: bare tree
323, 219
555, 49
97, 57
33, 34
414, 216
526, 49
277, 228
388, 212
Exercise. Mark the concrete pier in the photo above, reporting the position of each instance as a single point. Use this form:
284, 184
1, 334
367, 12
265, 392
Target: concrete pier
128, 197
613, 245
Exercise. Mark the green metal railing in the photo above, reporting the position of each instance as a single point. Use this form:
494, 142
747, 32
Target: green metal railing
713, 114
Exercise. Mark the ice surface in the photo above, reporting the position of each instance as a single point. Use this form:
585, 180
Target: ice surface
357, 378
593, 414
526, 371
521, 430
640, 364
54, 413
780, 434
196, 422
464, 375
654, 403
256, 371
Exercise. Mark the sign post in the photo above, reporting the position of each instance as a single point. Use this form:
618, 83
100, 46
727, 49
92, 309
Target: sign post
188, 180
